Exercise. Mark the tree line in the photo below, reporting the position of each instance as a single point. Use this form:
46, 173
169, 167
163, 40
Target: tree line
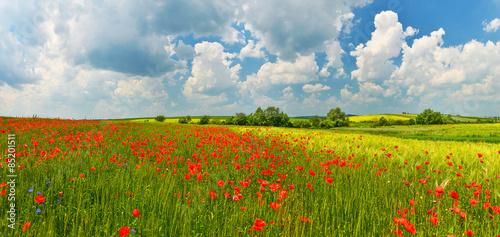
274, 117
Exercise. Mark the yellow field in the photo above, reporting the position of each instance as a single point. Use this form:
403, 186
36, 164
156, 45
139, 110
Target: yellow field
376, 117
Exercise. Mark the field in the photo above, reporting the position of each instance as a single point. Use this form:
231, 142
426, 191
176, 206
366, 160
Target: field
117, 178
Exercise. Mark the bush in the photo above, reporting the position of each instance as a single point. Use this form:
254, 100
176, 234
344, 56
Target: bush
160, 118
186, 119
338, 118
205, 119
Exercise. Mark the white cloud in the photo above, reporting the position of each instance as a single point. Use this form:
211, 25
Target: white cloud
212, 74
368, 93
333, 55
492, 26
374, 59
290, 27
252, 50
303, 70
309, 88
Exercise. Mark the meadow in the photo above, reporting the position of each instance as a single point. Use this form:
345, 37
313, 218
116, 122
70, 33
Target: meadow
122, 178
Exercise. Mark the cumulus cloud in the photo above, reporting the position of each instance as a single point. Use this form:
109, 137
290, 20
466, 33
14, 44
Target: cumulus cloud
212, 74
304, 69
492, 26
252, 50
368, 93
290, 27
374, 59
309, 88
333, 55
452, 75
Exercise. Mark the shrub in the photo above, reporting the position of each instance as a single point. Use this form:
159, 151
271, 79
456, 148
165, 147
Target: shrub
160, 118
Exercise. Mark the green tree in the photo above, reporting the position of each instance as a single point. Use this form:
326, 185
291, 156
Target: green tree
315, 121
160, 118
205, 119
338, 117
259, 118
382, 122
429, 117
241, 119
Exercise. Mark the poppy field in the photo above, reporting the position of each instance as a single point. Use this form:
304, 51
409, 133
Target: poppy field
98, 178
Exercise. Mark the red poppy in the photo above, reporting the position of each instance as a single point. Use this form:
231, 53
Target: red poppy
3, 184
453, 194
434, 220
124, 231
137, 166
412, 202
92, 169
258, 225
220, 183
473, 202
40, 198
135, 212
329, 180
26, 225
187, 176
311, 172
243, 208
274, 205
82, 175
469, 232
3, 192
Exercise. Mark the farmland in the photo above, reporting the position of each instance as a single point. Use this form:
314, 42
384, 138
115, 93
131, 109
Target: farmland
122, 178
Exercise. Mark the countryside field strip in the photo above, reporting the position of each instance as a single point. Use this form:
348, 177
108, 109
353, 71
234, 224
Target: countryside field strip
97, 178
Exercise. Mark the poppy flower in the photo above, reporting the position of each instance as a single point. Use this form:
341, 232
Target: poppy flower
311, 172
40, 198
412, 202
274, 205
92, 169
135, 212
124, 231
329, 180
434, 220
473, 202
258, 225
26, 225
469, 232
220, 183
187, 176
243, 208
453, 194
82, 175
3, 192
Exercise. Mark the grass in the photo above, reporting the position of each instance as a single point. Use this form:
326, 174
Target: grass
346, 182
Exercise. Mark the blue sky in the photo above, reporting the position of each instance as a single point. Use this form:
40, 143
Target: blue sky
117, 59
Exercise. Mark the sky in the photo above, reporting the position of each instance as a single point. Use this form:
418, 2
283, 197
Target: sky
128, 58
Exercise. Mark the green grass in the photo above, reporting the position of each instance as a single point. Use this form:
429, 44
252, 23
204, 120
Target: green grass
367, 170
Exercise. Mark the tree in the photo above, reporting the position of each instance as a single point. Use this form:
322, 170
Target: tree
429, 117
186, 119
315, 121
241, 119
160, 118
382, 122
337, 117
259, 118
205, 119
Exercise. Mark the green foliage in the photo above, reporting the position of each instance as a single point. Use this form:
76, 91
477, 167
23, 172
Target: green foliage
205, 119
430, 117
338, 118
241, 119
186, 119
382, 122
315, 121
160, 118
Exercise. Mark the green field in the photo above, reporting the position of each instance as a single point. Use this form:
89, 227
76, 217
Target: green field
100, 178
